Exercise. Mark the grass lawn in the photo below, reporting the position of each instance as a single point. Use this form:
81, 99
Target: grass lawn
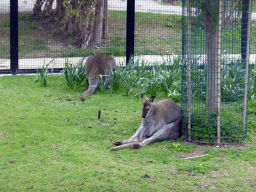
50, 140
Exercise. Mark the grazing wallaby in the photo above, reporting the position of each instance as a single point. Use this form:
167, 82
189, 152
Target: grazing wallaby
161, 120
95, 65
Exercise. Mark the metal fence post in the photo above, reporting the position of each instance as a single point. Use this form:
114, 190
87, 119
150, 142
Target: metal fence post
130, 29
244, 21
248, 35
14, 36
189, 67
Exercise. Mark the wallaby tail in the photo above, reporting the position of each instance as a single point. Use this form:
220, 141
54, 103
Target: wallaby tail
88, 92
92, 87
128, 145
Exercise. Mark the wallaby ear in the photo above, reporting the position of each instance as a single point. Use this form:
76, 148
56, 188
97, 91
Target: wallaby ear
152, 99
142, 95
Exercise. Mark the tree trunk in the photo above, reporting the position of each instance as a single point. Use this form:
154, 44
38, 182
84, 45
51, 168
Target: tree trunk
211, 31
76, 20
87, 30
105, 20
48, 8
98, 22
37, 8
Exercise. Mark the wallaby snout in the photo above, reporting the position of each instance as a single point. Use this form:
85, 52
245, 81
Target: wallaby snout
95, 65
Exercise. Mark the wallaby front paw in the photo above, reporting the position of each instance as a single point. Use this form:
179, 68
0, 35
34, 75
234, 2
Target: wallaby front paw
136, 146
117, 143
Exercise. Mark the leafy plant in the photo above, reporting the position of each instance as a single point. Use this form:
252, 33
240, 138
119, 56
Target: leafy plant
130, 76
115, 80
252, 81
42, 74
169, 80
128, 83
149, 78
232, 80
151, 86
74, 74
169, 24
103, 82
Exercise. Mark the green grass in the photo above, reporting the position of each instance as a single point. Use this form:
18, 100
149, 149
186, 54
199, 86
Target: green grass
50, 140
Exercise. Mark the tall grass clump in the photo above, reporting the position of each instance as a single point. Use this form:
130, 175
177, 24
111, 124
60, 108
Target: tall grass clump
171, 78
115, 80
132, 76
43, 74
150, 78
102, 82
74, 74
129, 82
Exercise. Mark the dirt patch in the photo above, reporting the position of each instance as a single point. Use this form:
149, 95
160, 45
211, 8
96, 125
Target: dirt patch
237, 146
201, 148
195, 152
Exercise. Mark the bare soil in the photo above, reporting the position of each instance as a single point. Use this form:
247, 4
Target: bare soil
201, 148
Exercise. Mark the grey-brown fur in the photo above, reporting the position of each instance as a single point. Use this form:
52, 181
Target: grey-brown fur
161, 120
94, 66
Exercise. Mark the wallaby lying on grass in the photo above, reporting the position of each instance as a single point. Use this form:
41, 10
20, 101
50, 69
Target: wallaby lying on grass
95, 65
161, 120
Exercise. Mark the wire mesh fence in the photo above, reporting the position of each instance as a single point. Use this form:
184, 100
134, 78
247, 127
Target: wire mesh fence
54, 29
5, 36
215, 71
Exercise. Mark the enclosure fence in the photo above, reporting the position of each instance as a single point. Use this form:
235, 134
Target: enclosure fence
158, 31
214, 82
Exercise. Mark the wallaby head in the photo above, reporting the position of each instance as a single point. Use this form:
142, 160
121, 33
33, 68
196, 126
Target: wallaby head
147, 105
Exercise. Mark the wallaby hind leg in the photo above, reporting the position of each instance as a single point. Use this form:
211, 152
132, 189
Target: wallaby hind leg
136, 137
169, 131
92, 87
131, 145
